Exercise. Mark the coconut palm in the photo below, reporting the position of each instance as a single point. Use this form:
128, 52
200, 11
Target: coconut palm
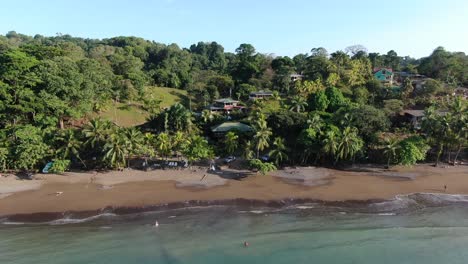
3, 158
163, 145
116, 148
177, 142
135, 142
96, 132
231, 142
349, 144
247, 152
390, 149
69, 145
298, 104
315, 122
262, 136
278, 154
331, 142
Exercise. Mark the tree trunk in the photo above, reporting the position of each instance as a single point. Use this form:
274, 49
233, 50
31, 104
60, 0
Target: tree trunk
441, 148
456, 155
61, 124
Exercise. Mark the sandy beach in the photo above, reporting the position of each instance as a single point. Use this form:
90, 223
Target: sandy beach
88, 191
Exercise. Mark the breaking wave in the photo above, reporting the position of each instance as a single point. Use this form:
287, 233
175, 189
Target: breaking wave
399, 204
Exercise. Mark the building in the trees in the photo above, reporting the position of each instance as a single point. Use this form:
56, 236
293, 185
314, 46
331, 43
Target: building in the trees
296, 77
222, 129
260, 95
415, 117
384, 75
225, 105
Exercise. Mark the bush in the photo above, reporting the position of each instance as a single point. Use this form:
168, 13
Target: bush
263, 167
412, 149
59, 166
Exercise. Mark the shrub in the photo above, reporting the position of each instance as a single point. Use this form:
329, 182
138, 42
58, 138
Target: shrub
59, 166
263, 167
412, 149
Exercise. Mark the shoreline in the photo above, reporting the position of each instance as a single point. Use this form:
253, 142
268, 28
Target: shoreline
138, 191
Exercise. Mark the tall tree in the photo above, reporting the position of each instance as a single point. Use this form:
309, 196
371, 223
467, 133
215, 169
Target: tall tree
278, 153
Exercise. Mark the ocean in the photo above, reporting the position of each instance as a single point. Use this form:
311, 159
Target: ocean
418, 228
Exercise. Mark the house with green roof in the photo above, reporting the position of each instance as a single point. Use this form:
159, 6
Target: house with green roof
222, 129
384, 75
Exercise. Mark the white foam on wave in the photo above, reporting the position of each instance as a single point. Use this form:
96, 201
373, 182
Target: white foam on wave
418, 200
12, 223
304, 207
66, 220
387, 214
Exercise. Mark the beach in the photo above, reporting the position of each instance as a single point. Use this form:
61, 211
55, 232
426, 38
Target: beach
91, 191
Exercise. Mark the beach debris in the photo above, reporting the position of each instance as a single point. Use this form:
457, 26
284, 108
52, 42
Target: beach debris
58, 193
204, 175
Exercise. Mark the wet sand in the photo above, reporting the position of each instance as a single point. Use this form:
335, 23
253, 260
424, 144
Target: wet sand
94, 191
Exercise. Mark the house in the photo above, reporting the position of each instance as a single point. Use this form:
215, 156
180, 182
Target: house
222, 129
384, 75
225, 105
296, 77
399, 77
415, 117
260, 95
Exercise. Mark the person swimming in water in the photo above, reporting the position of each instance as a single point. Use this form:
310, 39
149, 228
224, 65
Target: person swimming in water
156, 224
246, 244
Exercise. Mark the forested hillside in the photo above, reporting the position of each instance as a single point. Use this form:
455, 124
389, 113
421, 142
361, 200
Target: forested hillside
53, 89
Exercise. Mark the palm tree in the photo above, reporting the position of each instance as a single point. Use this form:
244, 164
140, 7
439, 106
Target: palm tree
163, 145
437, 128
262, 136
70, 145
278, 154
96, 132
350, 144
3, 158
316, 123
231, 141
298, 103
390, 148
458, 108
177, 142
135, 141
116, 148
330, 142
247, 152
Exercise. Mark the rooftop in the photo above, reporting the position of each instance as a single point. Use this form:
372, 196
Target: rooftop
226, 100
228, 126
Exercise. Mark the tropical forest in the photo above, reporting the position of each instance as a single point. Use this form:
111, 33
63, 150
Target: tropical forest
102, 104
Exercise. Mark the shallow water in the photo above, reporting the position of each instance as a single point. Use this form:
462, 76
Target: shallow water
416, 230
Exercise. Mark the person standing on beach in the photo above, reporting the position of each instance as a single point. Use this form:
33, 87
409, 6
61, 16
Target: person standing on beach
445, 188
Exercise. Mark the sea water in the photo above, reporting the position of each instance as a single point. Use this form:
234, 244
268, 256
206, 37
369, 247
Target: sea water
410, 229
